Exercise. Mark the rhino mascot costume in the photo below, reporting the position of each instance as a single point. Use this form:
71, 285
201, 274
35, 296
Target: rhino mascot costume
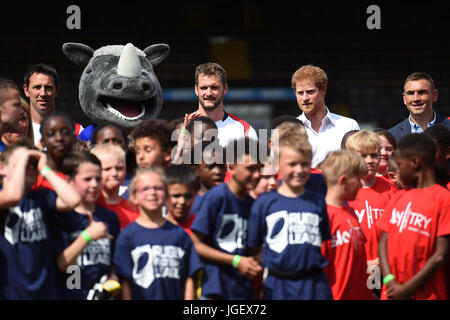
118, 83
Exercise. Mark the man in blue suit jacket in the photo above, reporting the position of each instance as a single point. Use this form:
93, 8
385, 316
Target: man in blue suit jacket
418, 96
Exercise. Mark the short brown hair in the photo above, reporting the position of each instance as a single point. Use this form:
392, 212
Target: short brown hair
210, 69
294, 141
310, 72
286, 129
342, 163
4, 85
41, 68
420, 76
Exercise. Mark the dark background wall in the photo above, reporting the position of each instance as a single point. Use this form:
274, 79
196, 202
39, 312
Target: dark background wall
259, 43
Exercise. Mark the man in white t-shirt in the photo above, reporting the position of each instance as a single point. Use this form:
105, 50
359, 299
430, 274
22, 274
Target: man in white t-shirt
210, 87
41, 87
325, 129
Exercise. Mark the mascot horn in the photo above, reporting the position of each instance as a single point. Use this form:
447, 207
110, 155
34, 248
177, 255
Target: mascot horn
118, 83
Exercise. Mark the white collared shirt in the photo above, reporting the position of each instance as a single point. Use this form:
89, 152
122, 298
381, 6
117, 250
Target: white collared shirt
330, 135
232, 128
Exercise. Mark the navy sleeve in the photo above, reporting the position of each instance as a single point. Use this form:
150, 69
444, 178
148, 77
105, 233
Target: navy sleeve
192, 259
324, 224
49, 198
205, 219
256, 224
123, 263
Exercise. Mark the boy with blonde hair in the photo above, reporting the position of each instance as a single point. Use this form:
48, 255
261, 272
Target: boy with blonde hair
289, 225
346, 270
114, 170
315, 182
375, 193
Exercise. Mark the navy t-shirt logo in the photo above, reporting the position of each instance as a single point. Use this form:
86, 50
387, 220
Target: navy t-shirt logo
285, 228
157, 261
28, 226
232, 233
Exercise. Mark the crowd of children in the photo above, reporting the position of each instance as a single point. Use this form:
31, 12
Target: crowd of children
246, 221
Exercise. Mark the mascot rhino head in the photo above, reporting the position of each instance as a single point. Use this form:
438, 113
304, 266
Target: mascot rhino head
118, 83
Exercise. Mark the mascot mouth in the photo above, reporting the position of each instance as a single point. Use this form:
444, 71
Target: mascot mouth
127, 109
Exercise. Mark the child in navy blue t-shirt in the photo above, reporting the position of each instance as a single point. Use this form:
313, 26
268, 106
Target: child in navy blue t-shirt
155, 259
290, 224
90, 229
211, 169
30, 227
220, 229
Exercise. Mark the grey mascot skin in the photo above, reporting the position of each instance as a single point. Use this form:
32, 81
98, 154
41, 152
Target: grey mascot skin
118, 83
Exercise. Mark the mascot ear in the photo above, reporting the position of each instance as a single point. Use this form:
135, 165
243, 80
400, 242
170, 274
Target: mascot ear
78, 53
156, 53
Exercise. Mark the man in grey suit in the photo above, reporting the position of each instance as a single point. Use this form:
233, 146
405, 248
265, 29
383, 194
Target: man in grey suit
418, 96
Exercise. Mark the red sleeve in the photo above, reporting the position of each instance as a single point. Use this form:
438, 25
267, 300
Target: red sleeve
444, 215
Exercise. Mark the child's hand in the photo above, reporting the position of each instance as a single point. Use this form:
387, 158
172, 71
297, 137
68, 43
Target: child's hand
397, 291
97, 229
188, 117
40, 158
249, 267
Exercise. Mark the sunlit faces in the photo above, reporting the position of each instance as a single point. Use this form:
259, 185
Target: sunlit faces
58, 137
149, 192
179, 200
10, 109
386, 151
352, 186
113, 171
111, 134
246, 172
149, 152
268, 180
42, 93
294, 168
372, 160
406, 169
22, 130
310, 98
418, 97
211, 173
88, 182
31, 168
210, 91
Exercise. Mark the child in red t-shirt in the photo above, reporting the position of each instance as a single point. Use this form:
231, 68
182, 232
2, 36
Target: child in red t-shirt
182, 187
346, 270
415, 228
375, 193
114, 170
